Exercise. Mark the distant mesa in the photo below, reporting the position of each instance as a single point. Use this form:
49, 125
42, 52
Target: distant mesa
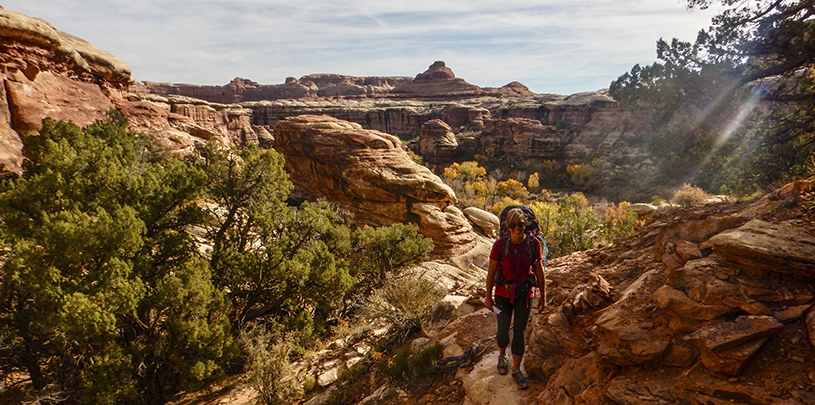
438, 82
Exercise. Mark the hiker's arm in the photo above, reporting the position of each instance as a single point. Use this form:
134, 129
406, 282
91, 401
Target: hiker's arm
490, 281
541, 285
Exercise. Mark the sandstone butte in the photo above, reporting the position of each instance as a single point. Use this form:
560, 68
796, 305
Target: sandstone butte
710, 305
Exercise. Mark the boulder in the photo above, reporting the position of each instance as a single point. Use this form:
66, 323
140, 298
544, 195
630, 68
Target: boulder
368, 173
485, 220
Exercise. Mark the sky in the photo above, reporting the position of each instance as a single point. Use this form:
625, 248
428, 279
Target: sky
551, 46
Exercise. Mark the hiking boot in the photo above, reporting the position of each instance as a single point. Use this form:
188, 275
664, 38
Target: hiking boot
502, 365
519, 378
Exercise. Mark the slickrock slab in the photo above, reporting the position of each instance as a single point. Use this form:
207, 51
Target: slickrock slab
774, 247
484, 386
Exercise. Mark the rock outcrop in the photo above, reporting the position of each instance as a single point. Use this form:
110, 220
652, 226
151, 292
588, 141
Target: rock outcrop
368, 172
48, 73
725, 315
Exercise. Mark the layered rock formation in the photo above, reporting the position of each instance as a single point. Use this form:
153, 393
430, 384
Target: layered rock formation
368, 173
711, 307
48, 73
307, 87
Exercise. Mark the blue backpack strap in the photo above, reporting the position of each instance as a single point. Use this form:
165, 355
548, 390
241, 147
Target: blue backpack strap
545, 250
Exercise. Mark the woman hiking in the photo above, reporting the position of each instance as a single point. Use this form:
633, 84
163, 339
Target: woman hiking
515, 267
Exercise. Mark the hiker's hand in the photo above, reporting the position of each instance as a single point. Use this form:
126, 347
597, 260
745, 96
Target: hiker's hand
541, 304
488, 302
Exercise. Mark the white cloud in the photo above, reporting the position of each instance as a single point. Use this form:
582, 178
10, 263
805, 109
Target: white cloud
562, 46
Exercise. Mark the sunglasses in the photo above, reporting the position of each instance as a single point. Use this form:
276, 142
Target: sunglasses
516, 225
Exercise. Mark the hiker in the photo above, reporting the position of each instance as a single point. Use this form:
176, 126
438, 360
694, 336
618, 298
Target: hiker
515, 264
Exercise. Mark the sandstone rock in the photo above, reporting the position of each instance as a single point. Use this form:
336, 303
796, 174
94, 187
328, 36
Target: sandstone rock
634, 391
521, 137
383, 395
419, 344
773, 247
677, 303
695, 231
436, 141
449, 308
710, 283
810, 321
328, 377
790, 192
54, 96
485, 220
98, 62
484, 386
11, 144
699, 387
549, 342
448, 276
370, 174
679, 355
578, 381
26, 29
451, 232
460, 115
727, 346
687, 250
626, 340
731, 361
791, 314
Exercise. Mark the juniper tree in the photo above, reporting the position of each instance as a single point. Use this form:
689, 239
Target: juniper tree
102, 294
734, 108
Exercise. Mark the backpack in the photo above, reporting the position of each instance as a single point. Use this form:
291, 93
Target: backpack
532, 230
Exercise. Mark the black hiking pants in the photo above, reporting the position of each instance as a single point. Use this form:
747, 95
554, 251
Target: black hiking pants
519, 310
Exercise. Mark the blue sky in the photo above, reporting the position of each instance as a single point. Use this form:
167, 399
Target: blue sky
551, 46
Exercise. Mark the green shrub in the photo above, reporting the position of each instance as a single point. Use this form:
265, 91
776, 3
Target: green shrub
386, 249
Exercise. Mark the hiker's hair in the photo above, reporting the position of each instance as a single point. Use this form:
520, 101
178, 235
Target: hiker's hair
516, 215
